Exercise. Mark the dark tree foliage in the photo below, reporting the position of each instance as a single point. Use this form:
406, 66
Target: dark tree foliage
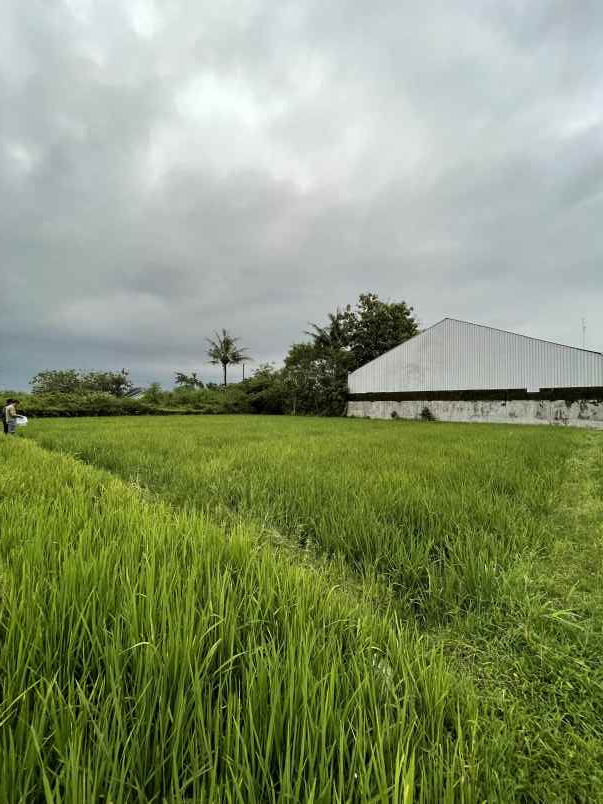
71, 381
116, 383
315, 372
265, 390
314, 377
375, 327
65, 381
188, 381
153, 394
366, 332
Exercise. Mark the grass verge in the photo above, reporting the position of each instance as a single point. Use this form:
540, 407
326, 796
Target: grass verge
488, 538
147, 657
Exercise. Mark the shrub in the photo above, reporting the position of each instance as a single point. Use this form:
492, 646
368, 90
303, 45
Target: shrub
91, 404
233, 399
427, 415
65, 381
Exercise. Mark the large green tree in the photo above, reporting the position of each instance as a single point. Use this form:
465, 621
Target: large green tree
223, 349
315, 376
315, 372
62, 381
367, 331
376, 326
56, 381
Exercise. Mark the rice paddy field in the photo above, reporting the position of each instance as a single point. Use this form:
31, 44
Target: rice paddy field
274, 609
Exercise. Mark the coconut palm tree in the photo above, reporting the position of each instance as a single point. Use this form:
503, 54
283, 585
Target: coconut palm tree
224, 350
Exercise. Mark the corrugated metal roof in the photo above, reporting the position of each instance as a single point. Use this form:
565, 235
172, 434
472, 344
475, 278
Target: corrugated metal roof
459, 355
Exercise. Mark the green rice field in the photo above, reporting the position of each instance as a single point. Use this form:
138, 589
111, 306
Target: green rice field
280, 609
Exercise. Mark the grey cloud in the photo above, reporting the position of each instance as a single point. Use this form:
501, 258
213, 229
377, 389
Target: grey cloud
255, 168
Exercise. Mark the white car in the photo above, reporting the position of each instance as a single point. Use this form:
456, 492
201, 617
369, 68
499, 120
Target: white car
21, 420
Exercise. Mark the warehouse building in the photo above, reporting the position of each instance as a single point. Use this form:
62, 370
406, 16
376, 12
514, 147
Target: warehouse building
458, 371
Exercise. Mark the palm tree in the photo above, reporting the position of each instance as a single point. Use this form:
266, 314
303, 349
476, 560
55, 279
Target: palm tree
188, 381
333, 336
223, 349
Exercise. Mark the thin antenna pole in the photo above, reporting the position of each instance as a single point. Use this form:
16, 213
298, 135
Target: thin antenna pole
584, 333
244, 370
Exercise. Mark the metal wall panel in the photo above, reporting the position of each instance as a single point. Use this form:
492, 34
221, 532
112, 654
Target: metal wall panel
457, 355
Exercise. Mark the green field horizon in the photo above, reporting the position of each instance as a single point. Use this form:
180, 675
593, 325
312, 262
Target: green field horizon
251, 608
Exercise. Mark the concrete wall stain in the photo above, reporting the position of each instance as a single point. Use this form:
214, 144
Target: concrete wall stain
577, 413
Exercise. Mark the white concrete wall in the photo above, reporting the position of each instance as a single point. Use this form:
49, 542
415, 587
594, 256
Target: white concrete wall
518, 411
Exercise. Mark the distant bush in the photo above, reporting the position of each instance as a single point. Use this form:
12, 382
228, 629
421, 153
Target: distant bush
153, 394
154, 402
208, 400
78, 404
266, 390
72, 381
427, 415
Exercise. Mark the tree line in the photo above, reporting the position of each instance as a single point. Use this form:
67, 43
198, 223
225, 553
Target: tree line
312, 380
314, 376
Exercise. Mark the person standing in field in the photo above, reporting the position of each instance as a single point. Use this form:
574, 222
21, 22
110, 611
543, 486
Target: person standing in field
4, 422
10, 416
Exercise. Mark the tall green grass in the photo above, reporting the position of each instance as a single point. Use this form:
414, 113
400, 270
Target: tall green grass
147, 656
438, 511
470, 671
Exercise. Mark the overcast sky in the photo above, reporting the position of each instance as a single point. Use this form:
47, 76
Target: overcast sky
170, 167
